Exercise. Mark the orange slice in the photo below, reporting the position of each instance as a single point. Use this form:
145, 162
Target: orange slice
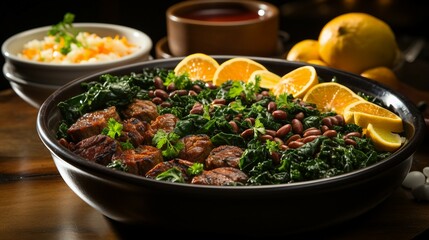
297, 82
331, 96
364, 113
268, 79
236, 69
383, 139
199, 66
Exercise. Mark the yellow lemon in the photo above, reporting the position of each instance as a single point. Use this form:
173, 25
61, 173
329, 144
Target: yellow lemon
357, 41
304, 50
383, 139
364, 113
317, 62
383, 75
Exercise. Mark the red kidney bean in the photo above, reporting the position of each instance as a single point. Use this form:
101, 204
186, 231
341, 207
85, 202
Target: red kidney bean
330, 133
352, 134
151, 94
340, 119
295, 144
327, 122
272, 106
265, 93
292, 138
334, 120
197, 110
234, 126
157, 100
311, 132
309, 138
279, 115
350, 141
300, 116
265, 137
251, 121
171, 87
161, 94
284, 147
158, 83
297, 126
219, 101
324, 128
270, 132
275, 156
192, 93
248, 133
165, 104
211, 85
284, 130
196, 88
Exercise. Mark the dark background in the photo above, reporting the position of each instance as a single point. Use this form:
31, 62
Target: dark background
300, 18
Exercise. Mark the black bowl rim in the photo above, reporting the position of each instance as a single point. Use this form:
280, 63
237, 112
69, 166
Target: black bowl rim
406, 151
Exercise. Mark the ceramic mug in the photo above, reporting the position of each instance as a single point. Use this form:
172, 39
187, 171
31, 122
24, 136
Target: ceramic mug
223, 27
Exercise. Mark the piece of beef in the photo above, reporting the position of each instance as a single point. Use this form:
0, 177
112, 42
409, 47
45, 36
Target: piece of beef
92, 123
180, 164
98, 148
166, 122
139, 160
221, 176
134, 131
144, 110
197, 147
223, 156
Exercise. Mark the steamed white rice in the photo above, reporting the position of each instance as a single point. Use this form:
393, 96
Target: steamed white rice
94, 49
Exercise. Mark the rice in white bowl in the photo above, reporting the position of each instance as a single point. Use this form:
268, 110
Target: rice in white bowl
94, 49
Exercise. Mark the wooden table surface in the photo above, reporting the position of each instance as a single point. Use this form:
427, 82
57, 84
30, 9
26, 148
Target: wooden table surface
35, 202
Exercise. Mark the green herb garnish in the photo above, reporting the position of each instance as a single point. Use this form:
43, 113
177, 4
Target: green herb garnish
64, 31
171, 175
113, 128
168, 142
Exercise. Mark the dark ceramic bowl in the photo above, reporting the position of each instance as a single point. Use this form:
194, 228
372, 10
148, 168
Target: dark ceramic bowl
271, 209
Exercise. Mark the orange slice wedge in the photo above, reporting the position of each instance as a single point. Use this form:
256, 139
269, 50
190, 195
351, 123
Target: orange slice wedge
331, 96
297, 82
236, 69
199, 66
268, 79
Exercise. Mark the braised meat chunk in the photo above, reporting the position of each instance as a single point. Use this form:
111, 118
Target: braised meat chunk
224, 156
139, 160
144, 110
221, 176
196, 148
180, 164
134, 131
166, 122
99, 148
92, 123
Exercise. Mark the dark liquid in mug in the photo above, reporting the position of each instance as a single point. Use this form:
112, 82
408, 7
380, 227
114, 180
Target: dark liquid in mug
222, 14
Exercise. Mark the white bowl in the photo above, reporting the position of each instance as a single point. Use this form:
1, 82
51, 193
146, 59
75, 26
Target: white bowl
59, 74
31, 92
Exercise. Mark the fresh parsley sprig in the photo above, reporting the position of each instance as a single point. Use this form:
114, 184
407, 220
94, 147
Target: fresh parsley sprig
113, 128
168, 142
64, 31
